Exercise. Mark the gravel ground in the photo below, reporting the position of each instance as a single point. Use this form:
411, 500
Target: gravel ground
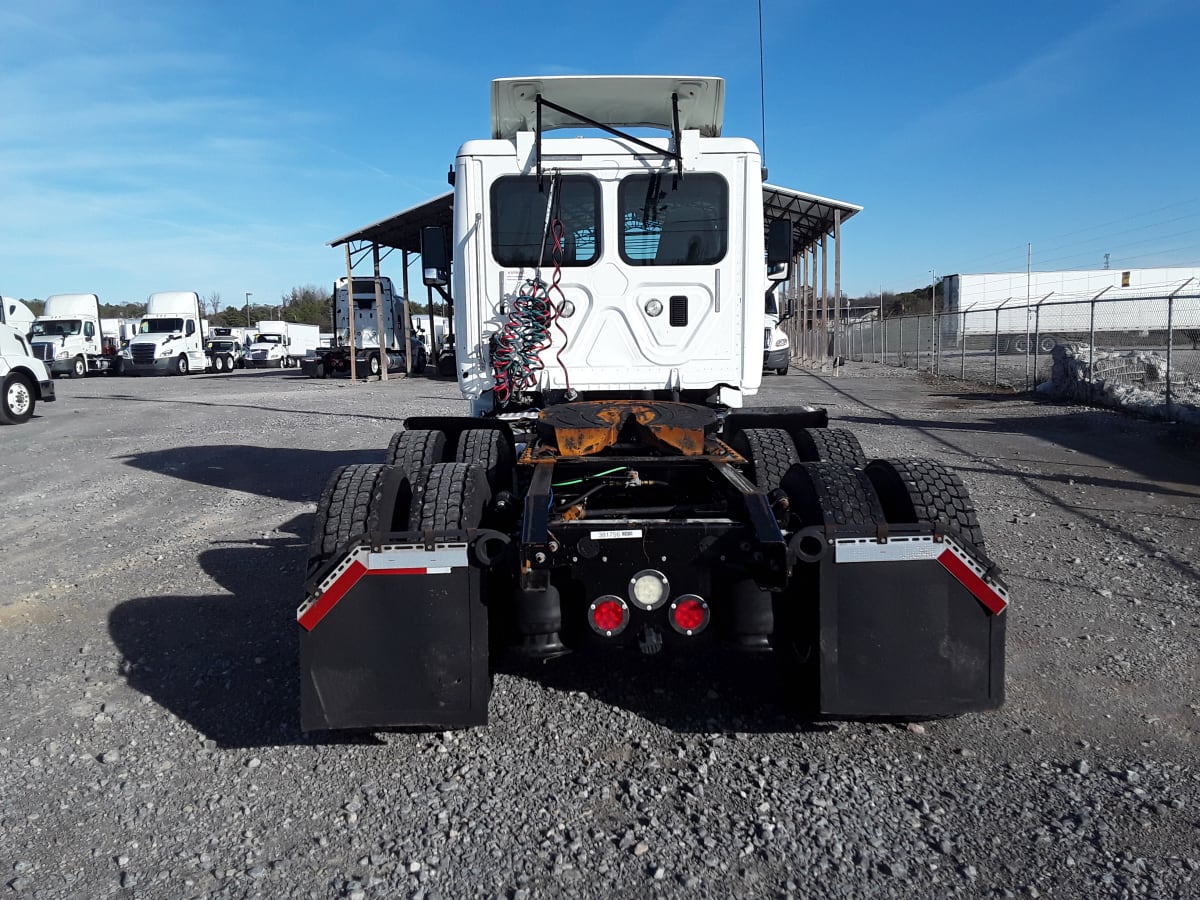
153, 541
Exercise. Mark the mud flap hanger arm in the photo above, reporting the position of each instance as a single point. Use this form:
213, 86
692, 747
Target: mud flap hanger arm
675, 154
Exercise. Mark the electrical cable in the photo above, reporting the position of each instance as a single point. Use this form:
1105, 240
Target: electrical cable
516, 356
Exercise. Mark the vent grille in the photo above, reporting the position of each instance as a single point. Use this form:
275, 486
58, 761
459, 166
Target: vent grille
43, 351
679, 311
767, 338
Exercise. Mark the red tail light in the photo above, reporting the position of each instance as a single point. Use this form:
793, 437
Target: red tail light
608, 615
689, 614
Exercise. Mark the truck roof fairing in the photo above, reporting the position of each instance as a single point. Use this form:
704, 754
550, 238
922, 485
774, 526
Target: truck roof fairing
620, 101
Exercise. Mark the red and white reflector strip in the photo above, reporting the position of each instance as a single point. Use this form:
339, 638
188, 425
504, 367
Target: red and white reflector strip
688, 614
391, 559
608, 615
902, 548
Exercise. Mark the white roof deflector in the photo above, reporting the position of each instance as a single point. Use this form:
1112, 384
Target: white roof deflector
619, 101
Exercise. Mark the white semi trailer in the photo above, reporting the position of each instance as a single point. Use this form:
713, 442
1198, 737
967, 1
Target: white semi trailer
170, 338
609, 490
68, 337
1016, 312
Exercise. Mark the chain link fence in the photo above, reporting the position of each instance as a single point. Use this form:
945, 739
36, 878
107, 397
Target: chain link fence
1148, 343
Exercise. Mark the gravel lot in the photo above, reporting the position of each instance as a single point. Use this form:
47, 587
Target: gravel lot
153, 541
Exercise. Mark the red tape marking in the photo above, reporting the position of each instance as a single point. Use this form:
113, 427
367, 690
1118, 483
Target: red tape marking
981, 590
341, 587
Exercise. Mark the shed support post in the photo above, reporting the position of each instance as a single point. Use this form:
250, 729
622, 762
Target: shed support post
406, 314
349, 312
381, 326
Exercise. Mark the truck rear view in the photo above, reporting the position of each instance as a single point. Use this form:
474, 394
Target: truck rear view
610, 490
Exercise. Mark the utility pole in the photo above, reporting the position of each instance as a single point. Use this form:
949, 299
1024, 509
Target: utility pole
249, 294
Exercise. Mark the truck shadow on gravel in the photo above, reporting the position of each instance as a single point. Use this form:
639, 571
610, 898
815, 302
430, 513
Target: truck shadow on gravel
283, 473
225, 664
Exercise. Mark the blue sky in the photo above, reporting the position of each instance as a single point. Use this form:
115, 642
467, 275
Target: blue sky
218, 146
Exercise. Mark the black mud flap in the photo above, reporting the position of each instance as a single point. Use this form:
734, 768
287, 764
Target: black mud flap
911, 627
396, 636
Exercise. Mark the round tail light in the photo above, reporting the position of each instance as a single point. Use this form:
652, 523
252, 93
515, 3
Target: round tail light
608, 615
689, 614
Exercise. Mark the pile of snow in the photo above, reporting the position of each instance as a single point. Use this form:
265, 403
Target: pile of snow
1135, 380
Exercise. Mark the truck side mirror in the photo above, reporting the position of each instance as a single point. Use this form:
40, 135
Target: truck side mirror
435, 256
779, 249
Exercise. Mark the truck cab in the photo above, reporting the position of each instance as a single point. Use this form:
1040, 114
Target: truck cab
651, 251
24, 379
67, 335
170, 338
777, 348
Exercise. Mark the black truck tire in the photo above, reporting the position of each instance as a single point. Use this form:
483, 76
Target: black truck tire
919, 490
833, 493
448, 497
342, 509
829, 445
17, 399
352, 503
181, 364
78, 367
770, 453
417, 449
489, 449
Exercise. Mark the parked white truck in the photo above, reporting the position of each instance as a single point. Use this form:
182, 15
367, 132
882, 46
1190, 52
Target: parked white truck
24, 379
225, 348
170, 339
777, 347
608, 492
281, 345
67, 336
364, 312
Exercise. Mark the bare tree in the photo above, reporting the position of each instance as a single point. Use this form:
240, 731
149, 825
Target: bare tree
212, 303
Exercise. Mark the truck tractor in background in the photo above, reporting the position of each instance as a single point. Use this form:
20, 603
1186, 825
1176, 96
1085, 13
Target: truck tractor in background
24, 379
777, 347
610, 490
67, 336
363, 309
225, 349
170, 338
281, 345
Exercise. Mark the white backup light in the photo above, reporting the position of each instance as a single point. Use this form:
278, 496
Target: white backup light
648, 589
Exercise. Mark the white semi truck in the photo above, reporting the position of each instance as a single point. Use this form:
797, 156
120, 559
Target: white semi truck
225, 348
24, 379
363, 309
68, 338
170, 338
610, 489
777, 346
281, 345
